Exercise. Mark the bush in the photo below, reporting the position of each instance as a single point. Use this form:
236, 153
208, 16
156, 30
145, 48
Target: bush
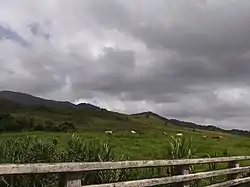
31, 149
50, 126
10, 123
67, 127
180, 148
94, 151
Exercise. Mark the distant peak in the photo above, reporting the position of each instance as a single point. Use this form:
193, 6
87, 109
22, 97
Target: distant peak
28, 99
81, 105
148, 113
151, 113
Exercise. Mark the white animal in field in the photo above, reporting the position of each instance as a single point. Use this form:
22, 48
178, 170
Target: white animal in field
108, 132
133, 132
179, 134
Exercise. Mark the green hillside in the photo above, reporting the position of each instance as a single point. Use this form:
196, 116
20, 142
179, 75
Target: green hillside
54, 119
83, 116
24, 112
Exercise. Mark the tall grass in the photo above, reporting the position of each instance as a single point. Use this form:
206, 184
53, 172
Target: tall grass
31, 149
28, 150
181, 148
94, 151
215, 166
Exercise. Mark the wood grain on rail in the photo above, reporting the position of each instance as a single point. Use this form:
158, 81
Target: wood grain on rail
174, 179
6, 169
231, 182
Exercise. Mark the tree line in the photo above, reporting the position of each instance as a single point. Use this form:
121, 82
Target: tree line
11, 123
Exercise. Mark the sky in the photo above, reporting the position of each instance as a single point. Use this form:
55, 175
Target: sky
188, 60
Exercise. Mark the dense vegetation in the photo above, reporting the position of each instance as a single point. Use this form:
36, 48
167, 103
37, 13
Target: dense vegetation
37, 130
33, 149
10, 123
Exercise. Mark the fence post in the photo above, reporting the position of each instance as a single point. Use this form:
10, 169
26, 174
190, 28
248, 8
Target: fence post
233, 164
181, 170
70, 180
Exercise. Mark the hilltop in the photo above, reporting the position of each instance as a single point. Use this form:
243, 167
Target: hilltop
30, 100
85, 116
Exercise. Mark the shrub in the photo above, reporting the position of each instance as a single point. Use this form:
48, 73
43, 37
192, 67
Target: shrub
180, 148
10, 123
31, 149
94, 151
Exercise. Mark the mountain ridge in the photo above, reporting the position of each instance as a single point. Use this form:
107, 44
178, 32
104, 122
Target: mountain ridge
194, 126
30, 100
11, 100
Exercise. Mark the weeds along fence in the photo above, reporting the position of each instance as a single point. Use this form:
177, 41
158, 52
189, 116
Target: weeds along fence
30, 161
71, 174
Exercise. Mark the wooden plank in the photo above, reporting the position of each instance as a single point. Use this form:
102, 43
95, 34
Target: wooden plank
96, 166
233, 164
231, 182
173, 179
181, 170
70, 180
185, 171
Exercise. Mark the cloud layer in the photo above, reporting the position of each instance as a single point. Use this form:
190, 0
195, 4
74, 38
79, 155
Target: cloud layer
183, 59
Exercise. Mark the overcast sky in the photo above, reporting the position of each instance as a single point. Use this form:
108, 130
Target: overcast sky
184, 59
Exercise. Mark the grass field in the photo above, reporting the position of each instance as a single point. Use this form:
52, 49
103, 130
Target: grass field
152, 145
124, 146
148, 143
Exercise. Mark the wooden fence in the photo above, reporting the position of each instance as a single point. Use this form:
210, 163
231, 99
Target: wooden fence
71, 173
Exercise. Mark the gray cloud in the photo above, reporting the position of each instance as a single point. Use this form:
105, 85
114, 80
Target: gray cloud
8, 34
182, 59
36, 30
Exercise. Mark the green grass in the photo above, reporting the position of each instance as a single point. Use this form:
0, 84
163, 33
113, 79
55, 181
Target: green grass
59, 147
148, 143
151, 145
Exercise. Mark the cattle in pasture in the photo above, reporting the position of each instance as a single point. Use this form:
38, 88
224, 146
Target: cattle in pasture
214, 136
204, 137
179, 134
109, 132
133, 132
217, 137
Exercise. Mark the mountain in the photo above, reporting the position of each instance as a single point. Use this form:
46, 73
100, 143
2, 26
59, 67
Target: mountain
180, 123
84, 116
193, 126
30, 100
149, 113
6, 105
87, 105
90, 117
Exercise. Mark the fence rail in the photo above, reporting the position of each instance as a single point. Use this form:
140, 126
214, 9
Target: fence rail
71, 173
